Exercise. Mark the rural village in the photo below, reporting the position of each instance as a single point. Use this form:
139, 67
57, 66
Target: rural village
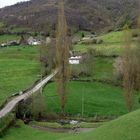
69, 70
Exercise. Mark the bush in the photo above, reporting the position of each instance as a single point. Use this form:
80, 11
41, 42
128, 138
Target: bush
82, 35
5, 122
118, 69
135, 34
92, 41
52, 116
99, 41
75, 73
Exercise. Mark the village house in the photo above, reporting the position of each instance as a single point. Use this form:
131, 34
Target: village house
75, 60
29, 41
33, 41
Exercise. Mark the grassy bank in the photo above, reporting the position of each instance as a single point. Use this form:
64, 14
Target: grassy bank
124, 128
23, 132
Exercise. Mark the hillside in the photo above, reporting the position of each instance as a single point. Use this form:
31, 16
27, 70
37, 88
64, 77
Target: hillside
124, 128
94, 15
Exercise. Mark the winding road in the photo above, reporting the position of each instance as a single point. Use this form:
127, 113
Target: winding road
12, 104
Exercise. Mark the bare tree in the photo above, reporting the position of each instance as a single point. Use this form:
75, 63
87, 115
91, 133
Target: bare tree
137, 60
88, 62
128, 70
62, 56
47, 53
38, 108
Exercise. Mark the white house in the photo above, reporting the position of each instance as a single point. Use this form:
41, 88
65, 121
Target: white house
32, 41
75, 60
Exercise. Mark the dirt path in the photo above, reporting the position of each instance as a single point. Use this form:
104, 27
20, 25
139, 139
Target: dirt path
62, 130
11, 104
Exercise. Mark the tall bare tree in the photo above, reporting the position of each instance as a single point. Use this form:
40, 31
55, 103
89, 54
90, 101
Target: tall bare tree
62, 56
128, 70
137, 59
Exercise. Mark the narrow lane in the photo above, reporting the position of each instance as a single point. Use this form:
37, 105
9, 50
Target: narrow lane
11, 104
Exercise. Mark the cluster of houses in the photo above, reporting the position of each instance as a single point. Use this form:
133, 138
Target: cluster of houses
22, 41
88, 39
74, 59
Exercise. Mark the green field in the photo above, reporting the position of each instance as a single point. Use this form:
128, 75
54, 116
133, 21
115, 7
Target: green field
102, 69
19, 68
99, 100
20, 52
21, 62
20, 29
6, 38
113, 43
113, 37
101, 49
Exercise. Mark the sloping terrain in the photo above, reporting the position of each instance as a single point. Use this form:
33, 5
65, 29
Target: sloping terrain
124, 128
95, 15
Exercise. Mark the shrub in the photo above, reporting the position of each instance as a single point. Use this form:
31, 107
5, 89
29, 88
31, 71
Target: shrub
118, 69
82, 35
52, 116
5, 122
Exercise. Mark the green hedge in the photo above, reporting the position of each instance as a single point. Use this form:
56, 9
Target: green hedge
5, 122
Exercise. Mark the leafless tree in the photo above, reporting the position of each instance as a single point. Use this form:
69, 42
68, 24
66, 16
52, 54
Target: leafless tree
38, 108
47, 53
128, 70
137, 60
88, 62
62, 56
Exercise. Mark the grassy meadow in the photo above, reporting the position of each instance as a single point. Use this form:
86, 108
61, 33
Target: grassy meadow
98, 100
102, 70
19, 68
113, 43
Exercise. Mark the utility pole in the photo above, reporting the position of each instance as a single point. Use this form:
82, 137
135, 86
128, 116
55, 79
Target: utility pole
83, 100
40, 69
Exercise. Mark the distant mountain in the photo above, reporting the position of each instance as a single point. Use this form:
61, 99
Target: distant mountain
94, 15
